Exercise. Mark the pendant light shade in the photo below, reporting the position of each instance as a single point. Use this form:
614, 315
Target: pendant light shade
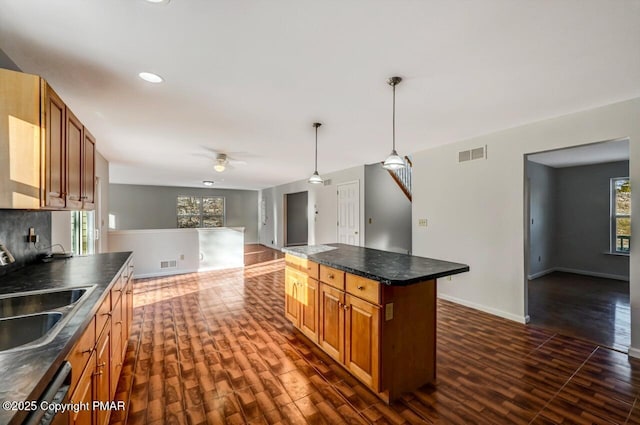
394, 161
315, 177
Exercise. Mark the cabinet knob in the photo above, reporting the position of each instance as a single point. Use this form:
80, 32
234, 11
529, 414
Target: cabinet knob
88, 350
360, 287
345, 306
330, 276
97, 373
103, 364
107, 314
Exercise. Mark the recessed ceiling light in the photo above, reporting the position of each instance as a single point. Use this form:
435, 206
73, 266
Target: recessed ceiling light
158, 1
151, 77
207, 182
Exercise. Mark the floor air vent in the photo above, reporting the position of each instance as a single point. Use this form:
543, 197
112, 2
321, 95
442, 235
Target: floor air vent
169, 264
471, 154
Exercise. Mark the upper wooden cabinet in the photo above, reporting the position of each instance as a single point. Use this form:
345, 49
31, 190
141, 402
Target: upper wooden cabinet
47, 157
54, 149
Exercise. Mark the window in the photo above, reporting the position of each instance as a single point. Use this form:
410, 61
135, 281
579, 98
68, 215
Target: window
620, 215
197, 211
82, 232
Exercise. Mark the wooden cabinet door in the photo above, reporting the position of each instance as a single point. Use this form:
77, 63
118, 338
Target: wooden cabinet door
74, 161
116, 346
84, 394
101, 382
331, 329
308, 301
291, 304
54, 154
88, 171
362, 339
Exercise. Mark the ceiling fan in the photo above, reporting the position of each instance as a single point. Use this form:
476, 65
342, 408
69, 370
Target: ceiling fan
224, 161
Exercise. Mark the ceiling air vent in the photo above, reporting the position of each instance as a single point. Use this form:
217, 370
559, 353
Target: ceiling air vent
169, 264
471, 154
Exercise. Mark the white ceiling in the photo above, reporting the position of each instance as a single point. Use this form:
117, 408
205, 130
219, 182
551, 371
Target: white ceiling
251, 76
594, 153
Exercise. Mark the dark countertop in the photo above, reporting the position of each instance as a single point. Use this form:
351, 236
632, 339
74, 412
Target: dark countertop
389, 268
26, 372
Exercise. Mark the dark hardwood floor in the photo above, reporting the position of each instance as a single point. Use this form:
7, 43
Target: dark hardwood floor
214, 348
591, 308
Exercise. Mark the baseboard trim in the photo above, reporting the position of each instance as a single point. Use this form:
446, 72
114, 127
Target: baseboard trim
541, 273
495, 312
164, 273
577, 271
594, 274
634, 352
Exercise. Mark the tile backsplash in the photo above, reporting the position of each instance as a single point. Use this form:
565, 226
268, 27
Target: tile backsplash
14, 228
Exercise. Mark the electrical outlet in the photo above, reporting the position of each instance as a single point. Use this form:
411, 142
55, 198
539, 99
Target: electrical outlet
182, 256
422, 222
539, 258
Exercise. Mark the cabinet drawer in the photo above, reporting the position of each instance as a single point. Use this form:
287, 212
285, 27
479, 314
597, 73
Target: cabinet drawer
81, 353
313, 270
364, 288
331, 276
103, 314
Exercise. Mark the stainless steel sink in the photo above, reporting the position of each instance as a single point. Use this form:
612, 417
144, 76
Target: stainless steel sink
17, 331
37, 302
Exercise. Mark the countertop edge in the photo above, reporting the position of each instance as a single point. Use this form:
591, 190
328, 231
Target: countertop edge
392, 282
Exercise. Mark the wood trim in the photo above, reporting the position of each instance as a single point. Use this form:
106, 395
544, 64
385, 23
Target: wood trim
400, 185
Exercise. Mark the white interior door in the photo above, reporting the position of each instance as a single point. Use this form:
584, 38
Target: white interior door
349, 213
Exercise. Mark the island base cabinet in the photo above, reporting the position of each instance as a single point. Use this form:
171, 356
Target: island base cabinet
301, 301
384, 335
309, 310
331, 335
362, 340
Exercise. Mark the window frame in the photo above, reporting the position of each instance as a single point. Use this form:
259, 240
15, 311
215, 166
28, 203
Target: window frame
613, 248
201, 214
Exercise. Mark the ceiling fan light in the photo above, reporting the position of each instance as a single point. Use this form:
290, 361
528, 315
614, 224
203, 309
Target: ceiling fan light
315, 178
393, 161
219, 167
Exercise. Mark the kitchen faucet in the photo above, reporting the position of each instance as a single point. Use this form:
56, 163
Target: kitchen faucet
5, 256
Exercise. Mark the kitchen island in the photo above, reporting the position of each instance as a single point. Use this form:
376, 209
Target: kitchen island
372, 311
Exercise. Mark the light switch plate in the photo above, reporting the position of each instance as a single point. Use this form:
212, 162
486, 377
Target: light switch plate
422, 222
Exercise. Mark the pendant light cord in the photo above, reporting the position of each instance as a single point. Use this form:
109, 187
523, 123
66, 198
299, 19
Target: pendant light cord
394, 118
316, 167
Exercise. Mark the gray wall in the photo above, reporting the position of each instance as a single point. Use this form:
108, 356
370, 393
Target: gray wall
542, 216
387, 212
14, 227
154, 207
7, 63
582, 221
297, 218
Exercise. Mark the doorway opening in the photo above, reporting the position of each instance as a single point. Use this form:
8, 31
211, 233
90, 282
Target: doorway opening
296, 219
577, 240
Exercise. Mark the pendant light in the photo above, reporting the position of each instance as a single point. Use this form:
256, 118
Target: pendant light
315, 177
393, 161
